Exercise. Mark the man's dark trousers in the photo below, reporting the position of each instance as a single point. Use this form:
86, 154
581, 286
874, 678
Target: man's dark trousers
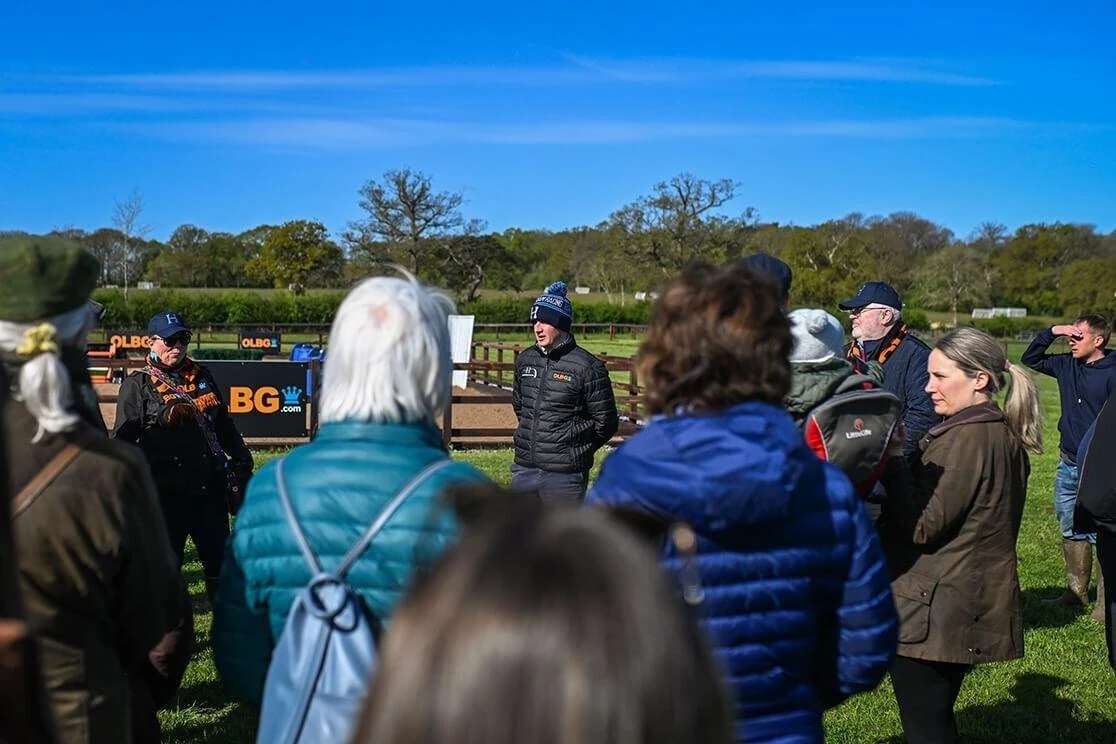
550, 486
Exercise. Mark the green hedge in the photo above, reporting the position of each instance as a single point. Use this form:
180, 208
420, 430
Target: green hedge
1009, 327
916, 318
518, 310
202, 308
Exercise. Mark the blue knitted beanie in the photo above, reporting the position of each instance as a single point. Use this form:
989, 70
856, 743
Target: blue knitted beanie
553, 307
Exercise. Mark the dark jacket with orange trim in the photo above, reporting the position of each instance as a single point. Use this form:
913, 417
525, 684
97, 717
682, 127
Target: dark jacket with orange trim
172, 439
905, 375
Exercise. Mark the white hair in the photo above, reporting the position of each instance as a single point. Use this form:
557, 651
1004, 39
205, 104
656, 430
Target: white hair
389, 354
44, 384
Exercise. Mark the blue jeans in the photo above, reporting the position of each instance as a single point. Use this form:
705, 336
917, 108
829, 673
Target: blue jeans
550, 486
1065, 498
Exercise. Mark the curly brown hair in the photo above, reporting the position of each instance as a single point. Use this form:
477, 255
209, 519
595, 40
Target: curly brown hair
718, 336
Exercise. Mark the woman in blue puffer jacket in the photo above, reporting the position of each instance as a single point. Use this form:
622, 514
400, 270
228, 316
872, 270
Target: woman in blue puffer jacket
796, 600
386, 381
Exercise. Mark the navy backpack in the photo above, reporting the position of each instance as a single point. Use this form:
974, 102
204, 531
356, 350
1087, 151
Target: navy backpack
320, 669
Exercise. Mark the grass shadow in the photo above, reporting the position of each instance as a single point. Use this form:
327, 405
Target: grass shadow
1037, 714
1039, 613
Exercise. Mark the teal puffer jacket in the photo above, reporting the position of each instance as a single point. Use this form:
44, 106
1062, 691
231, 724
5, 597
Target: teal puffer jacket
338, 484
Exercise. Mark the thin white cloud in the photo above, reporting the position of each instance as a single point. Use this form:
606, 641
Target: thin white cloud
577, 70
403, 77
675, 70
84, 103
335, 134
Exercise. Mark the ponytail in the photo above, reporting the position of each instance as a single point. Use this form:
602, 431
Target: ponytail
1022, 409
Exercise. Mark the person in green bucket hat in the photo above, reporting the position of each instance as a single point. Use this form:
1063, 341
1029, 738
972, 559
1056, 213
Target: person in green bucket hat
98, 584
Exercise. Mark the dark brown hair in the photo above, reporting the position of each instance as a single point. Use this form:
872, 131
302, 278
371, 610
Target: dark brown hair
1098, 324
718, 336
545, 624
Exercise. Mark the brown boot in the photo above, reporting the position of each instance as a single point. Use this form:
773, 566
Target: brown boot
1078, 555
1098, 609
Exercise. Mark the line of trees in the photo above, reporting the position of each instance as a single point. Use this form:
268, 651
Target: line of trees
1049, 269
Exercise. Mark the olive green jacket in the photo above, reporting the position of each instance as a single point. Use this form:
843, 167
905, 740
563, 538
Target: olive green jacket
99, 585
950, 525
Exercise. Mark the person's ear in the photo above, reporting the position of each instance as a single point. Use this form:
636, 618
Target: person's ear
980, 381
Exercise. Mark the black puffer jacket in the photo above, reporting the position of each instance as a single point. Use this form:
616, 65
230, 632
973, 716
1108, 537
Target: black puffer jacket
565, 407
179, 454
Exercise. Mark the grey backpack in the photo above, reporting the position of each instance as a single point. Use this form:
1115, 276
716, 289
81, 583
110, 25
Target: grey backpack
852, 427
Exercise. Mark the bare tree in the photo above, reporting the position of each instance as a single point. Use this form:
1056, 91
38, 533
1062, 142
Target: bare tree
955, 277
988, 235
126, 218
677, 223
405, 212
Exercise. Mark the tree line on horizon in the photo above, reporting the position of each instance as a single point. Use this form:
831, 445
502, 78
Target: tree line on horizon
1047, 268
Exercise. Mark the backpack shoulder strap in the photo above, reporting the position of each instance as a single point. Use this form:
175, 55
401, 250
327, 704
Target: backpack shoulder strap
288, 510
44, 477
373, 529
855, 382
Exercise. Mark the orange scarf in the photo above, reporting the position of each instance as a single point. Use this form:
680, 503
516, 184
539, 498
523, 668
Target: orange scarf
188, 372
886, 348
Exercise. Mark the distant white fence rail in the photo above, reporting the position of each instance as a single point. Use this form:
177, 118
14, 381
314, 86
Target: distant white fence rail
983, 313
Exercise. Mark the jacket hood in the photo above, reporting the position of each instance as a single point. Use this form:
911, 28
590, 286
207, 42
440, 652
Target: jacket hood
719, 472
1107, 361
811, 383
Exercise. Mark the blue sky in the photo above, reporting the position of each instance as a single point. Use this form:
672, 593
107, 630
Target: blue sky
554, 115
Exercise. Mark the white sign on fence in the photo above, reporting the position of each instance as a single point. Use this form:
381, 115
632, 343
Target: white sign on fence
461, 345
581, 290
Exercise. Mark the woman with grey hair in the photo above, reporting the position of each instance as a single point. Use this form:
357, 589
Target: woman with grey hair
950, 525
97, 580
385, 383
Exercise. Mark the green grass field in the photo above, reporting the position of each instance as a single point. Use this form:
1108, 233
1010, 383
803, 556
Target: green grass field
1061, 691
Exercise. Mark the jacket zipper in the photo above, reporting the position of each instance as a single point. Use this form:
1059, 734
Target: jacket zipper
535, 415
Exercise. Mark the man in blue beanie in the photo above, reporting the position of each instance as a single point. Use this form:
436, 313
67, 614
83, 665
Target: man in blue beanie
563, 399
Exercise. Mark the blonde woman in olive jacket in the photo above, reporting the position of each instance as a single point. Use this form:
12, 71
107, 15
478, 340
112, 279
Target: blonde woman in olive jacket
950, 527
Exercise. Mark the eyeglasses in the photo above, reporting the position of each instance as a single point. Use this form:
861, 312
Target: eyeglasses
859, 310
178, 339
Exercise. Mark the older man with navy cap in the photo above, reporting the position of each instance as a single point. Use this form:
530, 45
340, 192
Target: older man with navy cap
880, 335
173, 410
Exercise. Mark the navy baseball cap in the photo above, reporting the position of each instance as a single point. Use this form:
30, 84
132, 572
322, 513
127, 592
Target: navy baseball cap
166, 324
873, 293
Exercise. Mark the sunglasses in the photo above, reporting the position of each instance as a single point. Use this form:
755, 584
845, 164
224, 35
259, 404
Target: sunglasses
178, 339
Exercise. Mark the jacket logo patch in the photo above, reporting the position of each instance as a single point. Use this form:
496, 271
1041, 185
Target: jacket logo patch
529, 372
563, 376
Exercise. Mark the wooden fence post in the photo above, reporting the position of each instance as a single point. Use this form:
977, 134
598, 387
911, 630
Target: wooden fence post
633, 390
447, 425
